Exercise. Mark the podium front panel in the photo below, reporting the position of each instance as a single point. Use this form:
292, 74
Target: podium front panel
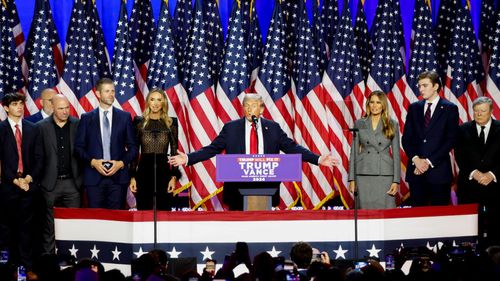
259, 167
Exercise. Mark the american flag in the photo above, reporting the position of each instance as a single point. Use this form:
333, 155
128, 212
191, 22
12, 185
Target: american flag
448, 10
487, 30
235, 76
11, 77
43, 52
162, 73
290, 10
464, 71
202, 119
311, 128
20, 44
329, 20
246, 9
344, 91
17, 30
142, 34
214, 37
388, 71
423, 52
319, 37
98, 43
379, 23
183, 16
123, 67
254, 41
493, 78
273, 84
363, 41
81, 70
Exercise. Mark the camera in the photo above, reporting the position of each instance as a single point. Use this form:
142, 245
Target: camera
358, 265
21, 273
4, 256
389, 262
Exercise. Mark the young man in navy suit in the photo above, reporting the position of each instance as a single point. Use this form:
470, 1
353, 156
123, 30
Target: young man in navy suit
428, 137
235, 138
106, 143
21, 158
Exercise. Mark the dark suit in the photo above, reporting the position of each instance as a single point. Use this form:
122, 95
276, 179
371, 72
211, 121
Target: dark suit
17, 205
434, 143
232, 140
35, 117
88, 146
65, 190
472, 155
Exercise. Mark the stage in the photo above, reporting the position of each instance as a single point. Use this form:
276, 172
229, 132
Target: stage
116, 237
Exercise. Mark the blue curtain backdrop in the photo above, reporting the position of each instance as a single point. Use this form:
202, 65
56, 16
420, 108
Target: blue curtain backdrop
109, 11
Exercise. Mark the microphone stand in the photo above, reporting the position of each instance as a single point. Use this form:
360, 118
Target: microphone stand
155, 208
353, 162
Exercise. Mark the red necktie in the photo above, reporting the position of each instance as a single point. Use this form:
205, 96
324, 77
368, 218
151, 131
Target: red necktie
19, 141
427, 117
253, 140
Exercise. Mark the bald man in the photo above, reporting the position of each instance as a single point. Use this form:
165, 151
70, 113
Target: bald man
61, 180
47, 109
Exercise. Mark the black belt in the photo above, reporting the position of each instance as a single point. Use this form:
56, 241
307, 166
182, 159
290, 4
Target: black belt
64, 177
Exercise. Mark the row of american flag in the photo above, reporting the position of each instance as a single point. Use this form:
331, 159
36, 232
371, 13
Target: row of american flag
314, 74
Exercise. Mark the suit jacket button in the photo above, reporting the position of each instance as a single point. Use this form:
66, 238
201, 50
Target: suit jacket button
379, 143
425, 140
367, 142
368, 152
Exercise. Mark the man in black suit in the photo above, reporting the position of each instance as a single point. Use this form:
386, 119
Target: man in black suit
429, 135
478, 157
21, 164
61, 180
236, 138
47, 109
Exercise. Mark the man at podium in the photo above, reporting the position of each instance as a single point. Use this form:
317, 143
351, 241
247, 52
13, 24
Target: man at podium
251, 134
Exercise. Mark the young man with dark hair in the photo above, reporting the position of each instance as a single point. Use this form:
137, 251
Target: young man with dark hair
21, 161
428, 137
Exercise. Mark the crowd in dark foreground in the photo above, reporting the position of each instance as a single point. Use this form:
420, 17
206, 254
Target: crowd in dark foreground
449, 263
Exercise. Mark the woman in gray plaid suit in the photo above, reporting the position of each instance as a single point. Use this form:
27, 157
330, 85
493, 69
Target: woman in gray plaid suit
375, 168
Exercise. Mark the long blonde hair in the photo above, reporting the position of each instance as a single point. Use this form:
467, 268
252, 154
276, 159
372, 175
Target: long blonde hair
387, 126
163, 112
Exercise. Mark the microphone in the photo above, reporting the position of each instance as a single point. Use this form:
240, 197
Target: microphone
353, 130
254, 120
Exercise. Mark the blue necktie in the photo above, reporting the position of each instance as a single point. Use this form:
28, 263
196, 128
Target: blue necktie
106, 137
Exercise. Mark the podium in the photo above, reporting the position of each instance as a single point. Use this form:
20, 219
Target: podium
257, 199
258, 168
